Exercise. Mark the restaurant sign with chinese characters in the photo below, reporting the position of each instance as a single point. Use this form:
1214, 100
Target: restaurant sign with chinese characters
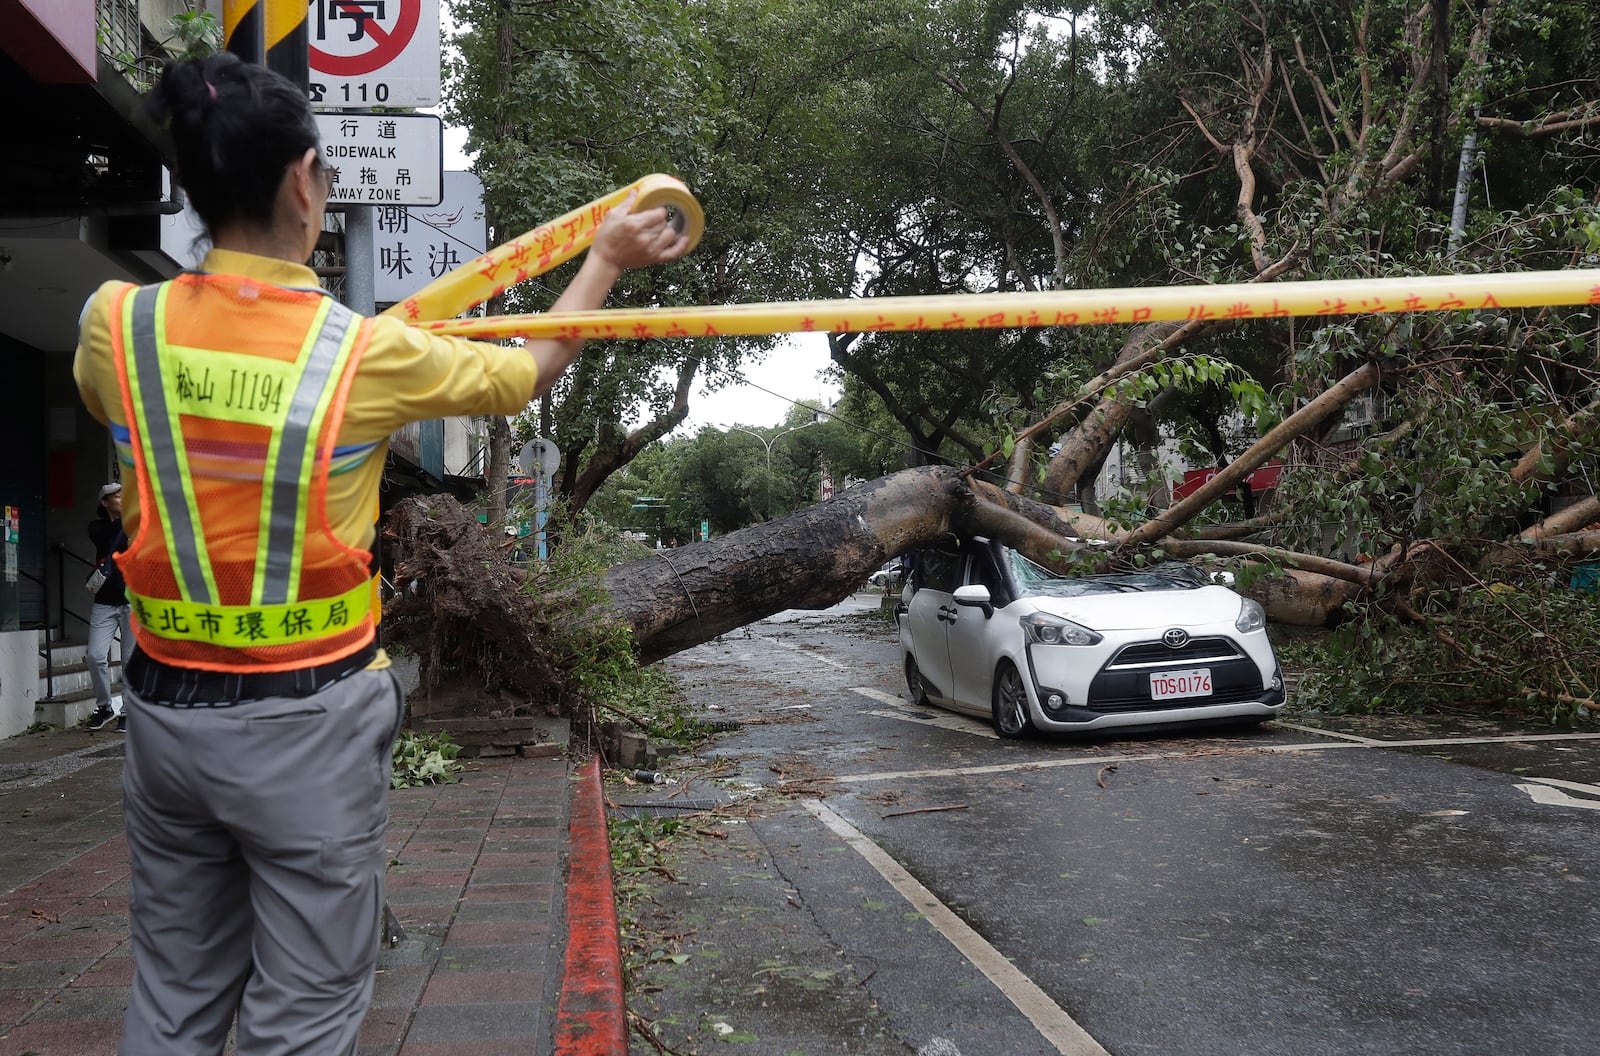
383, 159
366, 53
412, 247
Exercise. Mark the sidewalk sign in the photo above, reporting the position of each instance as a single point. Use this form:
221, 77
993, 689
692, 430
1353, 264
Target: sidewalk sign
383, 159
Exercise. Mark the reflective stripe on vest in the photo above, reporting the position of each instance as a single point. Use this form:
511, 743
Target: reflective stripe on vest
246, 626
292, 399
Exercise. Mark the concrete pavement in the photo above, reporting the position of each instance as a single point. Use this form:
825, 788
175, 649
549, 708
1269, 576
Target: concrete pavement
493, 962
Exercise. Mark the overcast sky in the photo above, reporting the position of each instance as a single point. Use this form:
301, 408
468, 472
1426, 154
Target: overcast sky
792, 370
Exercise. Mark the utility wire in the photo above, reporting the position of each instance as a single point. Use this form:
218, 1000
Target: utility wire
895, 440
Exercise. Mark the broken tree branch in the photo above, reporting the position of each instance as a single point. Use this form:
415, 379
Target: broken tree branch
1297, 424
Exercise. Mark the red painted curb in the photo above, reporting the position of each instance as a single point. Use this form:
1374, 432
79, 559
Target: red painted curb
591, 1019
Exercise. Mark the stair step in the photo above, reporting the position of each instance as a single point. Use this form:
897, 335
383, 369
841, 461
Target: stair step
67, 712
67, 653
73, 700
76, 666
72, 681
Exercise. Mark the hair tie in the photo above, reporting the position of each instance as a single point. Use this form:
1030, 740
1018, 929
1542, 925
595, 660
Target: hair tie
213, 90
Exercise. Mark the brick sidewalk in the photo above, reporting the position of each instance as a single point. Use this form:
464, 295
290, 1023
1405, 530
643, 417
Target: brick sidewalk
476, 881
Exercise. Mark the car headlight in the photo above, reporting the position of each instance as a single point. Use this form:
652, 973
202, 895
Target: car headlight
1252, 617
1044, 629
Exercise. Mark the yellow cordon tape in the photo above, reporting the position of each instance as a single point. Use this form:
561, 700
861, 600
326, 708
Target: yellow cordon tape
1063, 308
544, 247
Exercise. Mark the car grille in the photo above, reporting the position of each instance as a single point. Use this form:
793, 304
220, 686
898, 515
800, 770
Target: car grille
1123, 684
1155, 654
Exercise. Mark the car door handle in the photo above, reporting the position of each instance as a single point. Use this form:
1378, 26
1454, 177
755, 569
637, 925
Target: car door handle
947, 614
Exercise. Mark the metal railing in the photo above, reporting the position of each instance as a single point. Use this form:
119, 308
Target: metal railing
478, 464
61, 555
120, 37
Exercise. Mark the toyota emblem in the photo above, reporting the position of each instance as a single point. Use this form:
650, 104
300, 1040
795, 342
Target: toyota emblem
1175, 638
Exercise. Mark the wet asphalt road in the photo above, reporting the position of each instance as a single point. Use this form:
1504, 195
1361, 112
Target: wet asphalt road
900, 881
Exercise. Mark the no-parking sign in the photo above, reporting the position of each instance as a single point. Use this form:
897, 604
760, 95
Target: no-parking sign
367, 53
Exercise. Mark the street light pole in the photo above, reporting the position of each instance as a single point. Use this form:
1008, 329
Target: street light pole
768, 445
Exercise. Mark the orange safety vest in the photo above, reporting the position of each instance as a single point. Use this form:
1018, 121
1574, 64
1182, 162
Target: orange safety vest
233, 391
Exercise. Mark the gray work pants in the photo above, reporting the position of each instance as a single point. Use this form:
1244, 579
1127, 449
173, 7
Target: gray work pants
105, 623
255, 837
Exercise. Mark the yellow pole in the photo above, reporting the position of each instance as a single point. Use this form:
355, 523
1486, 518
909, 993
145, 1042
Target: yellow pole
288, 50
243, 29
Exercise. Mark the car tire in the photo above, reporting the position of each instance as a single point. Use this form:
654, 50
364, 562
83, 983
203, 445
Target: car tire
1010, 708
919, 692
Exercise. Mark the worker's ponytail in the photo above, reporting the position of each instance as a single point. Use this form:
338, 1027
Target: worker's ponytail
235, 128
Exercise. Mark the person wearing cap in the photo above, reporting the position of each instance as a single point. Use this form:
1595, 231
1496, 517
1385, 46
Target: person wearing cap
512, 545
255, 413
109, 615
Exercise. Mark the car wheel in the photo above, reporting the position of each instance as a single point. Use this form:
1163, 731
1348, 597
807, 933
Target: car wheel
1011, 719
919, 692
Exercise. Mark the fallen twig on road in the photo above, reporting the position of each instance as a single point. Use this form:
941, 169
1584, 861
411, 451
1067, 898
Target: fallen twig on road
923, 810
1100, 777
644, 1028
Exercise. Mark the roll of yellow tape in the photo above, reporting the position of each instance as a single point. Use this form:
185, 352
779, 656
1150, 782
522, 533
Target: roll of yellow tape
684, 213
545, 247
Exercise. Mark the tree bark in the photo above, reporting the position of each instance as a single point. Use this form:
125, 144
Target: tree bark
810, 559
497, 469
1086, 445
1579, 515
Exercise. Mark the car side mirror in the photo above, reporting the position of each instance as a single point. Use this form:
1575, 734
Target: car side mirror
975, 596
1224, 579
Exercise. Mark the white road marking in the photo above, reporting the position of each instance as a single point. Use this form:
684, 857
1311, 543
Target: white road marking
1324, 733
1058, 1028
1547, 791
997, 768
944, 722
943, 719
879, 695
1576, 786
806, 652
1554, 797
1510, 738
1310, 746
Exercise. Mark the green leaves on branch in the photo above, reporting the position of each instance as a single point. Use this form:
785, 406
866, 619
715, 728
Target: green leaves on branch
1192, 373
1520, 643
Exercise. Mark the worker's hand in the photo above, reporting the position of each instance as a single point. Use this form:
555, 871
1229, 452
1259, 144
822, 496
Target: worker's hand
627, 240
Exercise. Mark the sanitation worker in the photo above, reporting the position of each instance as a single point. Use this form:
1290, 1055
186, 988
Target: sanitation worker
253, 411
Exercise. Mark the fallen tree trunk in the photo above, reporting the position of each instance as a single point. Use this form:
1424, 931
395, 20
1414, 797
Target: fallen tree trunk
461, 608
815, 557
477, 622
